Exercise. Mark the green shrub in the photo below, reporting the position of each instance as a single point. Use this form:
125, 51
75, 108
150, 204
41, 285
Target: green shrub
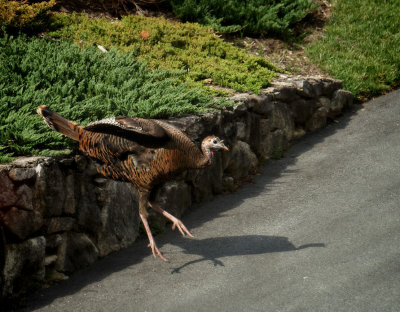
169, 45
250, 17
20, 15
83, 85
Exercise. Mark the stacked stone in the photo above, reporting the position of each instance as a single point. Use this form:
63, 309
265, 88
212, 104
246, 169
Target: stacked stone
57, 216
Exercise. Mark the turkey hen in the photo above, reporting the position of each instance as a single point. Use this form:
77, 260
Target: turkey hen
145, 152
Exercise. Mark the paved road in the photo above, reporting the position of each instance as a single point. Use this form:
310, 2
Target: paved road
319, 230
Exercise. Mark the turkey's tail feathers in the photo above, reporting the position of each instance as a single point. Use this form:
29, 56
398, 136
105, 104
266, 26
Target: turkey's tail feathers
59, 123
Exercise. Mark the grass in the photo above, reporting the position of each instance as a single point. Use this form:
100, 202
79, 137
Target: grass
83, 85
164, 44
361, 45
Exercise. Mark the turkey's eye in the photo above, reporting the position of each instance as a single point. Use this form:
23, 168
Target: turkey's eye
215, 141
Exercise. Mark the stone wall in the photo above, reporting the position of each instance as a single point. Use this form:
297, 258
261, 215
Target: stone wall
58, 215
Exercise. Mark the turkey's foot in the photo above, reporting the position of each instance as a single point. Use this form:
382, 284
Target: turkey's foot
176, 223
156, 252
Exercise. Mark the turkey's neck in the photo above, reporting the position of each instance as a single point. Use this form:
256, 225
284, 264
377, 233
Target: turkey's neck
201, 159
207, 156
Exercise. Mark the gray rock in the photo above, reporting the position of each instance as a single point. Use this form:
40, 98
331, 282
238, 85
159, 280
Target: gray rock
31, 161
81, 162
60, 224
201, 184
278, 143
301, 110
25, 197
22, 223
7, 195
330, 86
240, 97
212, 123
341, 98
254, 135
67, 162
24, 266
264, 146
285, 91
53, 276
48, 260
53, 241
173, 196
324, 101
216, 171
281, 119
318, 119
100, 181
242, 160
242, 133
202, 189
50, 189
229, 183
230, 131
118, 218
240, 109
207, 182
309, 88
298, 133
262, 105
69, 206
76, 251
190, 125
22, 174
90, 200
91, 169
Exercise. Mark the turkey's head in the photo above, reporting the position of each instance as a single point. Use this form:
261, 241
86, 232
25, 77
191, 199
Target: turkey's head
212, 144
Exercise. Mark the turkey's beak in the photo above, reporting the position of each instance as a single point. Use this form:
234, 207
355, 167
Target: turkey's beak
223, 146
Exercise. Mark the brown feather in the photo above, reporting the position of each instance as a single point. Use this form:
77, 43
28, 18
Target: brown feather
145, 152
143, 131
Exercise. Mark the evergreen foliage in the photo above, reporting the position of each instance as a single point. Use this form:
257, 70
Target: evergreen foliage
192, 48
83, 85
259, 17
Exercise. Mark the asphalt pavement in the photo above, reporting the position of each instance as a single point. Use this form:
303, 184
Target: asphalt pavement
318, 230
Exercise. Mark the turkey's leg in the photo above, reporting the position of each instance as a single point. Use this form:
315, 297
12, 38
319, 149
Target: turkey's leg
152, 244
143, 202
175, 221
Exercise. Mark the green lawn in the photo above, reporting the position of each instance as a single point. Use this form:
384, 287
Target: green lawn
361, 46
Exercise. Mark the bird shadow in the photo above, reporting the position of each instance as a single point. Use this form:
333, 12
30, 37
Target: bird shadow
213, 249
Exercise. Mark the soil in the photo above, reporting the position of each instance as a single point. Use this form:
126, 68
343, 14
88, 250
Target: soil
114, 8
290, 55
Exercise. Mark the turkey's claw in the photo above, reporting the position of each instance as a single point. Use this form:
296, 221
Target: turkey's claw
155, 251
175, 221
152, 244
181, 227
